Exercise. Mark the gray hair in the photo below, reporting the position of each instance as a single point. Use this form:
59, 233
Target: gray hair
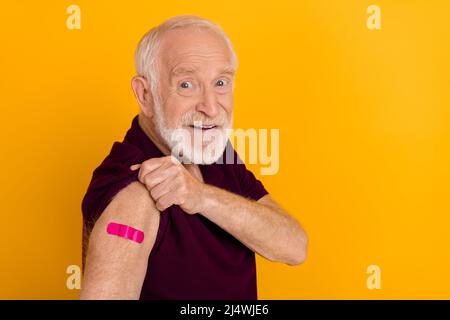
147, 51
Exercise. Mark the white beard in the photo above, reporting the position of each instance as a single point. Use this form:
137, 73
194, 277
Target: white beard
194, 145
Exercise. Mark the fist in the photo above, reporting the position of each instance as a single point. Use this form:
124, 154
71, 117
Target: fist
169, 183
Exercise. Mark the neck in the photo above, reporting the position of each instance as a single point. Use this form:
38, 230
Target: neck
147, 126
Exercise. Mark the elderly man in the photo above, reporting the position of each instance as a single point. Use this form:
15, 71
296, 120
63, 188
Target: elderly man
164, 218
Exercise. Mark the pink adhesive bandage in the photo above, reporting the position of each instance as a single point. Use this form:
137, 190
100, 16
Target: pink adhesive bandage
125, 231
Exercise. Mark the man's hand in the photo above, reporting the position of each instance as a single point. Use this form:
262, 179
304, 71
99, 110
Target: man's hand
263, 226
169, 183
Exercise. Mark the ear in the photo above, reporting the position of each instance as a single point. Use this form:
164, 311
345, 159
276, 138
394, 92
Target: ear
143, 94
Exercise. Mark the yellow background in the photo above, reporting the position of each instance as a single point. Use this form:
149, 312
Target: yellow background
364, 134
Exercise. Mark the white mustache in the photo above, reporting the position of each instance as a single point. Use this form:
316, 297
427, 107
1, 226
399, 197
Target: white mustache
196, 118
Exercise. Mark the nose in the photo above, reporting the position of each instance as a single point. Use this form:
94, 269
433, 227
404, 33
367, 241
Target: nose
208, 103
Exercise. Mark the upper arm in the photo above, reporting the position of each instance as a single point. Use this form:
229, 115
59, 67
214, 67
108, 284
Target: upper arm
115, 266
250, 186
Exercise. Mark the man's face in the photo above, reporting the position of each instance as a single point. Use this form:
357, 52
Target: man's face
196, 91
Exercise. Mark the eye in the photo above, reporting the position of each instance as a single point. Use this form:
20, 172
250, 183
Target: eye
186, 85
222, 82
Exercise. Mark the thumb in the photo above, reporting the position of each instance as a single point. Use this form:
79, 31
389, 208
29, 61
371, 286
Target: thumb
135, 167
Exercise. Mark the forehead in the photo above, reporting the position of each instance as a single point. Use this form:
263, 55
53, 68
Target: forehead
192, 49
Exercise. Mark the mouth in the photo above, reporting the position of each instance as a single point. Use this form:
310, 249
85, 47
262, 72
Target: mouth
203, 127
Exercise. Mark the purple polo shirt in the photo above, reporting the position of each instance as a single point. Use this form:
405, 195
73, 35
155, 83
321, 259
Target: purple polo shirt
192, 257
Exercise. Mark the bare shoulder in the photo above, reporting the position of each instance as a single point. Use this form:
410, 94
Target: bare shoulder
132, 206
113, 262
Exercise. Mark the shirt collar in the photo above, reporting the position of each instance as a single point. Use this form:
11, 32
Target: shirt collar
211, 173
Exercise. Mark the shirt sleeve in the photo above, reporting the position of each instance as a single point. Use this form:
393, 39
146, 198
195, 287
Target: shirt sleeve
251, 187
108, 179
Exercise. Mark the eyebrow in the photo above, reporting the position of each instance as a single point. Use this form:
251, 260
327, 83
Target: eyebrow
187, 70
182, 70
228, 70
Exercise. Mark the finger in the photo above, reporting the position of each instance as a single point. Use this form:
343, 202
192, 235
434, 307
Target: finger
150, 165
161, 190
159, 175
174, 160
165, 201
135, 166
